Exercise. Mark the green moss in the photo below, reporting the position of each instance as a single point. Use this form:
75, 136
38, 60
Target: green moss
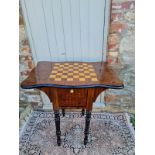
132, 120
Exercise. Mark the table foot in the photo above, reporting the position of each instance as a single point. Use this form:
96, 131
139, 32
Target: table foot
82, 112
87, 125
59, 142
57, 124
63, 112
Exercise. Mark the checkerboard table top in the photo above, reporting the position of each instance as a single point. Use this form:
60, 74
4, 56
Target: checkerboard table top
72, 74
78, 72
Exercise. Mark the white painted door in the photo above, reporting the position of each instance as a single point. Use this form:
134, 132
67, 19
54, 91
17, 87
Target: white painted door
67, 30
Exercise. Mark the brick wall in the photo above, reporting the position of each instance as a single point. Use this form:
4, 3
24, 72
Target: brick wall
120, 55
121, 26
28, 99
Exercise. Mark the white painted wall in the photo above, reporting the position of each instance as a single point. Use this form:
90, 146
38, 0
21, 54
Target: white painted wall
67, 30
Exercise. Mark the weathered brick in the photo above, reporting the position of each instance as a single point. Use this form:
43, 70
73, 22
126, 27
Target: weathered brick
21, 58
116, 16
30, 64
110, 98
25, 73
113, 41
25, 42
113, 54
112, 47
117, 27
128, 5
21, 21
25, 48
29, 57
112, 60
116, 6
25, 58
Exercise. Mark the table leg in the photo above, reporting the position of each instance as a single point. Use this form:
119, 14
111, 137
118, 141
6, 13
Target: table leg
63, 112
57, 124
83, 112
87, 124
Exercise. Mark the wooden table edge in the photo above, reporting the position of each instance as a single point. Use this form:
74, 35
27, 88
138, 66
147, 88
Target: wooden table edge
71, 86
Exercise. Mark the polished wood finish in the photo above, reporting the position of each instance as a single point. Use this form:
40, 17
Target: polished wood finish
40, 77
57, 124
72, 87
63, 112
83, 112
81, 98
87, 124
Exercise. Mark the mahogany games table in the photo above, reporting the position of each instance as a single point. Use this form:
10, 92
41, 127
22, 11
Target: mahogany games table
72, 85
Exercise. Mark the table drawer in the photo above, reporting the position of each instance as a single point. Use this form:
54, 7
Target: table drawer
72, 97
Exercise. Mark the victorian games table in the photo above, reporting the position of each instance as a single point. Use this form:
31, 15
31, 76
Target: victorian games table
72, 85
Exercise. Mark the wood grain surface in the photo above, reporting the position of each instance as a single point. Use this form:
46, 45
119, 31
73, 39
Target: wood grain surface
41, 76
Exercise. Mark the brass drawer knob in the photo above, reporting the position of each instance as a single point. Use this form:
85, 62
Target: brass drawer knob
71, 91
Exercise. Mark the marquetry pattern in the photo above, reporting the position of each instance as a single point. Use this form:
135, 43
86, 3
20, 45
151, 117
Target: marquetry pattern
79, 72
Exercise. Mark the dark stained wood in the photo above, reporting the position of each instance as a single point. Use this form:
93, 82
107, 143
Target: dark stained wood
39, 77
63, 112
87, 124
57, 124
77, 98
63, 98
83, 112
74, 91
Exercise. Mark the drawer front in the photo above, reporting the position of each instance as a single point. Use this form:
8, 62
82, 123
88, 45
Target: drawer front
72, 97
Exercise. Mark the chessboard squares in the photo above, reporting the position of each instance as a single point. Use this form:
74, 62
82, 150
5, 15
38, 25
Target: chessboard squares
90, 66
70, 79
61, 65
57, 79
65, 71
91, 69
52, 76
76, 67
93, 74
66, 64
81, 69
76, 76
59, 74
76, 71
64, 76
87, 76
56, 67
82, 79
94, 79
81, 74
87, 71
76, 64
60, 69
70, 74
70, 70
54, 71
86, 68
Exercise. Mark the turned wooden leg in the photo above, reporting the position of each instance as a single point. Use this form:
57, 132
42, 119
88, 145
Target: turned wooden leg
63, 112
87, 124
57, 124
82, 112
